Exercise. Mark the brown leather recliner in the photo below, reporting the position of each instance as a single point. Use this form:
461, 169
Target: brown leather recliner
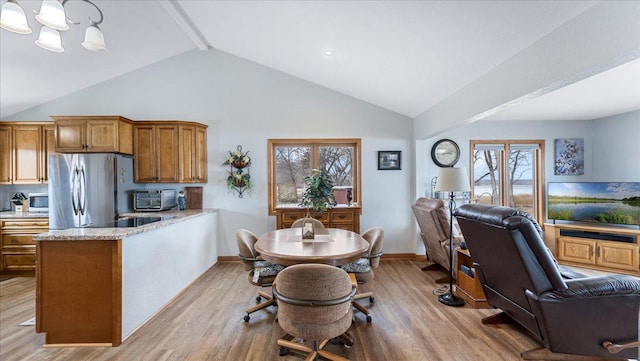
433, 219
520, 276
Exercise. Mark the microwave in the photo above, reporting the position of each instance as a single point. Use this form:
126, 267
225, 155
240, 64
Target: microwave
154, 200
38, 202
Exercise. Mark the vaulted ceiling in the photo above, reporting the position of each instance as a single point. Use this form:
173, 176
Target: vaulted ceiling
405, 56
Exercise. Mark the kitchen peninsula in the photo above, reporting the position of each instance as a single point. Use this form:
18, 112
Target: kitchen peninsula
96, 286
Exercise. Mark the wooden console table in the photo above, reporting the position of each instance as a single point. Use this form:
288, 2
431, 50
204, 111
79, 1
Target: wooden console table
602, 248
467, 287
338, 217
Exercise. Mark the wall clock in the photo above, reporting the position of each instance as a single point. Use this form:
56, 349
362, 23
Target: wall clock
445, 153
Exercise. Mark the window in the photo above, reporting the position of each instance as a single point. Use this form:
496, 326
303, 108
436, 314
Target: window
291, 160
509, 173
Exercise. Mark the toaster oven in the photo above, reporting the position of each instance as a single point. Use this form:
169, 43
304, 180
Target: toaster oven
154, 200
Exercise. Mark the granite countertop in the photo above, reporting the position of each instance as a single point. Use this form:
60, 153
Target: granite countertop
109, 234
12, 214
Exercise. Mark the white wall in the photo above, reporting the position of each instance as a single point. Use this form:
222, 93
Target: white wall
245, 103
616, 148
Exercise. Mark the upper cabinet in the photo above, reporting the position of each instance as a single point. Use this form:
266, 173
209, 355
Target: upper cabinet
24, 152
193, 153
93, 134
170, 152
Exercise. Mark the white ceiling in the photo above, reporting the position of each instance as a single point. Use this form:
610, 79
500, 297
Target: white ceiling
405, 56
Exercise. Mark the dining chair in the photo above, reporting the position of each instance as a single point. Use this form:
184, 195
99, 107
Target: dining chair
261, 272
314, 304
363, 267
298, 223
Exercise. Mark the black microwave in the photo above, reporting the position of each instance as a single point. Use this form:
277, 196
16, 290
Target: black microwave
38, 202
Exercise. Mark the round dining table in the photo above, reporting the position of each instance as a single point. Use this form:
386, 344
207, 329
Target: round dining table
331, 246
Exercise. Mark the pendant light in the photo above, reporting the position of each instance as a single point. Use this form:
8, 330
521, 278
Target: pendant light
53, 18
13, 18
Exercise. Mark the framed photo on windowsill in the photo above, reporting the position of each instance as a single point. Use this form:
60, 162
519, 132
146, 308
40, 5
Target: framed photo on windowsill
389, 159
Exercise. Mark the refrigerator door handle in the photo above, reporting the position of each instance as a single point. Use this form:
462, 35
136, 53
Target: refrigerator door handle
82, 195
74, 190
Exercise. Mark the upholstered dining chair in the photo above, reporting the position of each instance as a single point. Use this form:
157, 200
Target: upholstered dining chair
314, 304
298, 223
363, 267
261, 272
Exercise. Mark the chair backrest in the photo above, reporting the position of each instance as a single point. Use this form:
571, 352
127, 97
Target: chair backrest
434, 220
298, 223
314, 300
375, 237
510, 257
246, 241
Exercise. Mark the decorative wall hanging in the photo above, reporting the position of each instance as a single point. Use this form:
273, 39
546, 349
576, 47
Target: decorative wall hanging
239, 178
389, 159
569, 156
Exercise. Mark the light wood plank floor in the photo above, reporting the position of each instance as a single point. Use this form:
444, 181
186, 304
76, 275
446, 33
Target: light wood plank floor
205, 323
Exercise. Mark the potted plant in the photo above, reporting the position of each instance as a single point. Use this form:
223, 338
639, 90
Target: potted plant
318, 194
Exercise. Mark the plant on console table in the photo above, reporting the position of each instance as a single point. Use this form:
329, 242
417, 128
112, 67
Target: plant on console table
318, 194
239, 178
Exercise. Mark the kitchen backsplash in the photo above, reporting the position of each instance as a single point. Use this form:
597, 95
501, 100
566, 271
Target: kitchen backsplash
7, 191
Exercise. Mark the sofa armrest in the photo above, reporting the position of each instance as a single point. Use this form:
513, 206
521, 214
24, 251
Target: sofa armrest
598, 286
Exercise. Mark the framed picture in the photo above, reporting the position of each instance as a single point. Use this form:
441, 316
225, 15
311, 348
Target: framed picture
569, 156
389, 159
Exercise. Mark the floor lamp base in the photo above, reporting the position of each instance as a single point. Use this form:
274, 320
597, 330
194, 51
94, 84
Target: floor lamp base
450, 299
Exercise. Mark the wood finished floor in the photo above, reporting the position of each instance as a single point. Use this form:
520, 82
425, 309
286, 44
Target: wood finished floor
205, 323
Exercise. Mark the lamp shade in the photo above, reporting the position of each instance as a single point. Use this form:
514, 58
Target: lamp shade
52, 15
49, 39
94, 40
13, 19
453, 180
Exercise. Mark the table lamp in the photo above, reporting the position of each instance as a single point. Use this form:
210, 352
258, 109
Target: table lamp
452, 180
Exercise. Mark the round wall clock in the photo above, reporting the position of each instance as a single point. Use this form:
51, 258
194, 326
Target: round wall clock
445, 153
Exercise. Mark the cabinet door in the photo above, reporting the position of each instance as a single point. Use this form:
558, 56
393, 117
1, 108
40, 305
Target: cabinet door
187, 147
27, 147
144, 145
200, 155
618, 255
577, 250
70, 136
168, 154
48, 148
102, 136
5, 155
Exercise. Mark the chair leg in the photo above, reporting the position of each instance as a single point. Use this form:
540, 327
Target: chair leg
287, 341
270, 301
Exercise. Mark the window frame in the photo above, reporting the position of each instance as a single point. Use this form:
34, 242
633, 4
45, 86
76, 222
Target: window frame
504, 165
314, 144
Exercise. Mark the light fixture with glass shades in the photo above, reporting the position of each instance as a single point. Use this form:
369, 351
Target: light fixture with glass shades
53, 18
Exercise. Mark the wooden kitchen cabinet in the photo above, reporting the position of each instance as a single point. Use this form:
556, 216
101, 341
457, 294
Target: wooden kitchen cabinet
25, 150
6, 174
170, 152
193, 153
156, 152
18, 250
93, 134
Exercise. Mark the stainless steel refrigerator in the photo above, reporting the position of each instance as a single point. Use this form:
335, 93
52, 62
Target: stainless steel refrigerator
86, 189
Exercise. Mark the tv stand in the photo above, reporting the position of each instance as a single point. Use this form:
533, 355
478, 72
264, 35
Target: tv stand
596, 247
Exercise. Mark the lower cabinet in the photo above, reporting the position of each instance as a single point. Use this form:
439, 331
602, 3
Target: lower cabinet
607, 249
341, 217
18, 248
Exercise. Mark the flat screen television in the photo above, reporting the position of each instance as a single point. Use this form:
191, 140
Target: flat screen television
594, 202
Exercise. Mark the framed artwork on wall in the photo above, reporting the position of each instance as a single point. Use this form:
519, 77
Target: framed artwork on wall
389, 159
569, 156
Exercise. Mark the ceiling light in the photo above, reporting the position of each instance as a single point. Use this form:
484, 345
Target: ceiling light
53, 18
328, 52
13, 19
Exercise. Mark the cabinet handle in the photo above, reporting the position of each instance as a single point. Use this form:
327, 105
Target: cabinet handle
341, 216
598, 253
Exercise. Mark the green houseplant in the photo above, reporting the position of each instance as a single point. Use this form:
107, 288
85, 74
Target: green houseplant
318, 194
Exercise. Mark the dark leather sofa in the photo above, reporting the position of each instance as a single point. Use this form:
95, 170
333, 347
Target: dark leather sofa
520, 277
